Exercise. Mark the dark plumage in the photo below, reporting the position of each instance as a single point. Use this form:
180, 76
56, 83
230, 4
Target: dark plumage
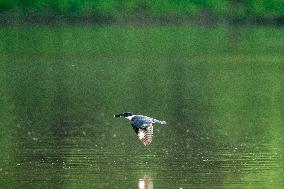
142, 125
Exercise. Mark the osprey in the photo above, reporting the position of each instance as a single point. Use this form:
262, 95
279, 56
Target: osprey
142, 125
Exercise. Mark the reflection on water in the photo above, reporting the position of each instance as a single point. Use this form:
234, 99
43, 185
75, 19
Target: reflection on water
61, 86
145, 183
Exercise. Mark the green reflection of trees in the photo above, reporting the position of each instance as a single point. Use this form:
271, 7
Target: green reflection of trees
64, 84
231, 10
37, 113
7, 125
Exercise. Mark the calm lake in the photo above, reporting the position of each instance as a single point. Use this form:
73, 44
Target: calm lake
220, 89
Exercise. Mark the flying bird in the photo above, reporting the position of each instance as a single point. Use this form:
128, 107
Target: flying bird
142, 125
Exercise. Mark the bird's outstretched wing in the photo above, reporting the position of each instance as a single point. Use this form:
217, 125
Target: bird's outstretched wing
145, 134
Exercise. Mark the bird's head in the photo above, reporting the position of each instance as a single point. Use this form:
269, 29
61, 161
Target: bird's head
124, 114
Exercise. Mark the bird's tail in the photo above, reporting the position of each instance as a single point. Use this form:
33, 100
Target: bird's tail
160, 122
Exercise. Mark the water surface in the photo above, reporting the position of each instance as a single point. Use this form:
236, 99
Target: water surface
219, 89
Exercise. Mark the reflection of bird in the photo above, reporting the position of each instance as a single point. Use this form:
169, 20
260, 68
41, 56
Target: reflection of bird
145, 183
142, 125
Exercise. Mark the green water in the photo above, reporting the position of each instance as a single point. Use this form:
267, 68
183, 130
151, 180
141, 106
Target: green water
220, 90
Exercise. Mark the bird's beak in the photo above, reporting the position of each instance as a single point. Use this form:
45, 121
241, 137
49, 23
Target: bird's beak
117, 115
